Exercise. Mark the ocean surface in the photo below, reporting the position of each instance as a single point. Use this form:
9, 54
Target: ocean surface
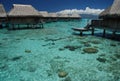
57, 53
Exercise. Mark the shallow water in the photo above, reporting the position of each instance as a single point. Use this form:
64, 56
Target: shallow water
40, 54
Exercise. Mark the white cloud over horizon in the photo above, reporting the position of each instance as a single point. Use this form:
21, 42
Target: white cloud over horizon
88, 10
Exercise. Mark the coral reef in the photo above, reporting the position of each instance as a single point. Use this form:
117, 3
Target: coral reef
71, 48
16, 58
61, 49
27, 51
62, 74
90, 50
112, 44
117, 56
3, 66
101, 59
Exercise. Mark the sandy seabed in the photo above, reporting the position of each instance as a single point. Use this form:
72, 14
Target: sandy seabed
41, 54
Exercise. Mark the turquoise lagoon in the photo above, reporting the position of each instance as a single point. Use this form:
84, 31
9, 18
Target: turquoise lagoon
42, 54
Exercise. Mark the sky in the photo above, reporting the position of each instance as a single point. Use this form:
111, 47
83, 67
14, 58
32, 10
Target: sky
65, 6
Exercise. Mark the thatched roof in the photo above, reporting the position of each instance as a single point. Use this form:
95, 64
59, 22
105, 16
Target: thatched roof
44, 13
53, 15
113, 11
105, 12
2, 12
19, 10
75, 16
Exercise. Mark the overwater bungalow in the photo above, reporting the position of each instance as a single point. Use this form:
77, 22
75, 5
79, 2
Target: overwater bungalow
48, 17
44, 13
45, 16
53, 17
3, 15
26, 15
74, 16
109, 18
68, 17
63, 17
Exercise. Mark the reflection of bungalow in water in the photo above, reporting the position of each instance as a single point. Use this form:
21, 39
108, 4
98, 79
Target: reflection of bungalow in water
3, 15
24, 14
110, 18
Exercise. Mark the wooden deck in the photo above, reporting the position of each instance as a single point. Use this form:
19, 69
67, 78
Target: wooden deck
86, 28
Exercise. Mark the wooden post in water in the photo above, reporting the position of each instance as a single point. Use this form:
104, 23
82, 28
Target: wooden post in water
113, 34
27, 25
13, 26
1, 25
92, 31
18, 26
80, 33
42, 25
6, 25
104, 32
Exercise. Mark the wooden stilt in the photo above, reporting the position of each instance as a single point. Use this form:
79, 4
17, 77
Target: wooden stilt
80, 33
104, 32
27, 25
92, 31
1, 26
42, 25
13, 26
34, 26
113, 34
18, 26
6, 25
10, 26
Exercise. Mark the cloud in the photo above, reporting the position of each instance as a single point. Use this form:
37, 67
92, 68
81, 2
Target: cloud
88, 10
